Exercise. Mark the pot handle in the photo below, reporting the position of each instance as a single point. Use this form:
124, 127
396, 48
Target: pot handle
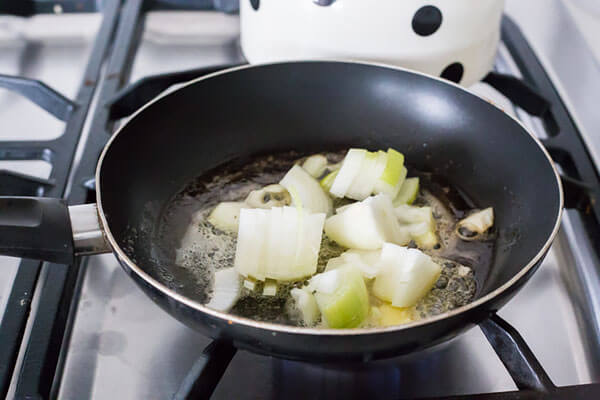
47, 229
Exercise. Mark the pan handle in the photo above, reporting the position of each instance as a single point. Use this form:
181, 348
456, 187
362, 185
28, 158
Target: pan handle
88, 234
518, 359
47, 229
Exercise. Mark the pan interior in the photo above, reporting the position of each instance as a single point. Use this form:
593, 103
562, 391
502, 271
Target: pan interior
321, 106
195, 249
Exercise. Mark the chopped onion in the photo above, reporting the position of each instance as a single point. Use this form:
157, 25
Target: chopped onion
341, 209
327, 181
371, 169
388, 315
356, 227
270, 289
365, 260
348, 172
305, 303
364, 173
311, 194
342, 297
325, 283
366, 225
315, 165
463, 271
226, 215
385, 214
413, 215
309, 233
418, 223
280, 243
250, 284
334, 263
251, 243
405, 275
476, 224
394, 173
268, 197
426, 240
226, 290
277, 252
408, 192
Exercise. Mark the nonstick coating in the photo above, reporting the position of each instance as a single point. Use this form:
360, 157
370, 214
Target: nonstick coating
319, 106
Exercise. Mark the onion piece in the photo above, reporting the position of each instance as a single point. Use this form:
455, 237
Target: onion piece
345, 301
270, 289
284, 243
365, 260
405, 275
388, 315
371, 169
366, 225
356, 227
325, 283
315, 165
408, 192
226, 215
276, 256
327, 181
426, 240
348, 172
394, 173
364, 173
475, 224
311, 194
268, 197
250, 284
280, 243
335, 262
251, 244
341, 209
226, 289
413, 215
418, 223
309, 234
305, 303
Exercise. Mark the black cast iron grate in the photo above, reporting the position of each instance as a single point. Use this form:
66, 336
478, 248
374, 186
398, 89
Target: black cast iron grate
57, 286
44, 350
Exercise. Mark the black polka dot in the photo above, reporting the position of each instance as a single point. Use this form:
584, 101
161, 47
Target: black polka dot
255, 4
324, 3
453, 72
427, 20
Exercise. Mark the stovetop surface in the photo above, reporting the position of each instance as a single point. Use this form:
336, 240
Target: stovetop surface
34, 48
123, 346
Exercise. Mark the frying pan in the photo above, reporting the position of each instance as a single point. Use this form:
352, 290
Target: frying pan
310, 107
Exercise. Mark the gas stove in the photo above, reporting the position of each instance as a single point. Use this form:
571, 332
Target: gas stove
85, 330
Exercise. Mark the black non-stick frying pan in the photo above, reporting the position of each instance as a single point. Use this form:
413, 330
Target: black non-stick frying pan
310, 107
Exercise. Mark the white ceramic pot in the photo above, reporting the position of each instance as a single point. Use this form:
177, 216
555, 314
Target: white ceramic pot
456, 39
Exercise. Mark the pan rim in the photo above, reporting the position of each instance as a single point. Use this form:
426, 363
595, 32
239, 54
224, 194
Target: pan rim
279, 328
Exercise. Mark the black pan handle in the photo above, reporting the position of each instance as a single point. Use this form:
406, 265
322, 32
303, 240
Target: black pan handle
47, 229
520, 362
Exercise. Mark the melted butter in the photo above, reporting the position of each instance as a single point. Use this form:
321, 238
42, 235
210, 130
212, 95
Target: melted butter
204, 249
